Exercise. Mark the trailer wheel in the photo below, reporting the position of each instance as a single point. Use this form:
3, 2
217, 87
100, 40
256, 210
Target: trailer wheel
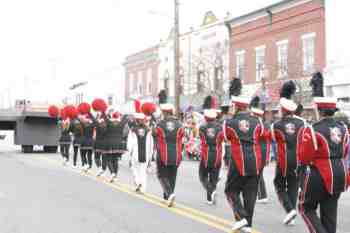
50, 149
27, 148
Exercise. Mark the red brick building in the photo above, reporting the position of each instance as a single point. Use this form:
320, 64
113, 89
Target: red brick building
280, 42
141, 74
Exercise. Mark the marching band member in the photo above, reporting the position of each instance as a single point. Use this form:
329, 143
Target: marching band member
211, 137
65, 139
77, 130
265, 142
169, 134
225, 115
243, 132
115, 132
140, 147
86, 146
324, 150
100, 138
285, 133
300, 167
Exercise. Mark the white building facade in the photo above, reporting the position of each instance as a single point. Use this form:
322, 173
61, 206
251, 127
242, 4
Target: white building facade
204, 62
337, 72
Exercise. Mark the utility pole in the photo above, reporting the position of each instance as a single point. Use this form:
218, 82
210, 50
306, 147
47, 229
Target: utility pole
176, 58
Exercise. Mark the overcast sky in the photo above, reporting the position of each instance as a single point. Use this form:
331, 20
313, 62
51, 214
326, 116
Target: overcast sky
87, 40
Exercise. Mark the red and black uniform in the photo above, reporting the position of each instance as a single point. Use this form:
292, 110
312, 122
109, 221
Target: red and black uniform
265, 142
77, 130
87, 143
211, 137
243, 132
169, 136
285, 132
100, 138
114, 147
326, 176
65, 139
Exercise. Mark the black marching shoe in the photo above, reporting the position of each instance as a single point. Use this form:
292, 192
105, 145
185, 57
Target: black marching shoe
209, 199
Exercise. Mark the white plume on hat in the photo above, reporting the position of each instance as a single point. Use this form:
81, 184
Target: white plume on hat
240, 100
210, 113
139, 116
167, 107
288, 104
257, 111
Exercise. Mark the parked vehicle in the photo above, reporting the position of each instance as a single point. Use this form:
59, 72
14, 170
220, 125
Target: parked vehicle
32, 126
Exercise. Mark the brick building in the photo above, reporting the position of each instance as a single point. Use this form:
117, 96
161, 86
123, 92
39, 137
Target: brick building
283, 41
141, 74
203, 65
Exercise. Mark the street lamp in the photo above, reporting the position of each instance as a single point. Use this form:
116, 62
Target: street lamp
176, 53
176, 56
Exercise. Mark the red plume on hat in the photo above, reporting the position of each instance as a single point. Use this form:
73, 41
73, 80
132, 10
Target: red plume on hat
137, 105
148, 108
71, 111
63, 114
84, 108
99, 105
53, 111
116, 115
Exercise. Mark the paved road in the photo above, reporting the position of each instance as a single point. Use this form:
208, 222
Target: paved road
38, 194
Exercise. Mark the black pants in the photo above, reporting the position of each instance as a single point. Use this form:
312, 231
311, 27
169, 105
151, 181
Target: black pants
209, 178
86, 157
64, 149
248, 187
75, 155
227, 155
167, 178
97, 158
262, 194
314, 194
104, 161
301, 171
287, 189
113, 163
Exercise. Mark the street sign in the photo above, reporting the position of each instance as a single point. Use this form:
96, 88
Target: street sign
74, 86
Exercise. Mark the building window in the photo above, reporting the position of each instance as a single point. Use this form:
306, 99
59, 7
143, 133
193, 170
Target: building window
149, 81
182, 81
282, 58
218, 73
150, 88
259, 62
140, 89
240, 64
166, 83
139, 83
200, 77
308, 52
166, 80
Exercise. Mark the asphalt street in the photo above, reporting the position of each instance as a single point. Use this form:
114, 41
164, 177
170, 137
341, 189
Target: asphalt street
38, 194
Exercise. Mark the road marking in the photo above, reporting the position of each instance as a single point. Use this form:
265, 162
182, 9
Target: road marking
182, 210
2, 195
